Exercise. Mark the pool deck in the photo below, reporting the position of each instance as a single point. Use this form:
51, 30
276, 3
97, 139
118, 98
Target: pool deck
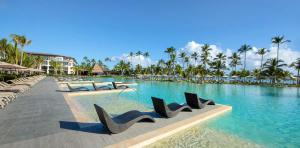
41, 117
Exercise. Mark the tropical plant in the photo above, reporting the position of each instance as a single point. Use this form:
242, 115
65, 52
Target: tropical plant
107, 59
22, 41
195, 56
262, 52
4, 45
187, 60
278, 40
56, 65
146, 55
122, 67
235, 60
139, 53
205, 55
296, 66
131, 55
244, 49
273, 69
182, 56
219, 65
77, 69
38, 61
172, 54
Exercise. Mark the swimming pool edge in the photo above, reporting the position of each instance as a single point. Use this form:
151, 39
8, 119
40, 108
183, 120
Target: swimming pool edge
158, 134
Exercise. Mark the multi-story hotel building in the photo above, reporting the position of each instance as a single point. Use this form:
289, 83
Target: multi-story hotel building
66, 61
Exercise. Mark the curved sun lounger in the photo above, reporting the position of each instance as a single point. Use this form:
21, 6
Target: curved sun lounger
122, 122
193, 101
120, 86
77, 88
169, 110
100, 87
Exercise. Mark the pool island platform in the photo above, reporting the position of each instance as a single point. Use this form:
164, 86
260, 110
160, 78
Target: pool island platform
43, 117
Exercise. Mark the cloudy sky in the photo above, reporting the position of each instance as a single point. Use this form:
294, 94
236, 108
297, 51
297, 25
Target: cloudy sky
113, 28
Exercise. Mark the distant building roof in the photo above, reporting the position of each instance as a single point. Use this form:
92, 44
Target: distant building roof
47, 54
97, 69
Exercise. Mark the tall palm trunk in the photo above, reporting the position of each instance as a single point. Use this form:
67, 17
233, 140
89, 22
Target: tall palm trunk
261, 67
16, 53
298, 76
245, 61
21, 61
277, 52
261, 62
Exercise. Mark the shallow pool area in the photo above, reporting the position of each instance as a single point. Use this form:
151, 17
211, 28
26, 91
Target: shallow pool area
261, 116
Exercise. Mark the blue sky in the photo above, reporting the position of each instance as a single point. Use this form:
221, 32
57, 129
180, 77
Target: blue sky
100, 29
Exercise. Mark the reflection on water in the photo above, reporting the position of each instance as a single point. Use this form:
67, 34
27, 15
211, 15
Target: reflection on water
202, 136
264, 115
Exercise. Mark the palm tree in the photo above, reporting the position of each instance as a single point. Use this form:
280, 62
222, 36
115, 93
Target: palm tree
77, 69
296, 66
139, 53
100, 63
187, 60
219, 64
38, 61
243, 49
278, 40
3, 48
146, 55
182, 56
195, 56
93, 62
161, 64
24, 41
205, 55
107, 59
235, 60
131, 55
16, 40
122, 66
56, 66
262, 52
171, 51
273, 69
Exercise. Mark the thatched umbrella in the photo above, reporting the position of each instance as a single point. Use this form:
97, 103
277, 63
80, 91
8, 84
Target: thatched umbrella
8, 66
97, 69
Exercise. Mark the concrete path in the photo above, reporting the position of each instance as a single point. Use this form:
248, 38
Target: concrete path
35, 113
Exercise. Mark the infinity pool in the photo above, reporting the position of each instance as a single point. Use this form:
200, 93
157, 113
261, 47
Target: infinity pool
261, 116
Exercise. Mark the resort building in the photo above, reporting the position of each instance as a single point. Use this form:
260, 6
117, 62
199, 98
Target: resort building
66, 61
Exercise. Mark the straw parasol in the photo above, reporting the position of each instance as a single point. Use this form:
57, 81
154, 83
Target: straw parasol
8, 66
97, 69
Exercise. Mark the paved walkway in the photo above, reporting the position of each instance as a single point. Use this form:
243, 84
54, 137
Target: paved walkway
40, 118
35, 113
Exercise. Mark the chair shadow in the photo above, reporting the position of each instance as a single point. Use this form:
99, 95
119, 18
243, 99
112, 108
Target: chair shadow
96, 128
63, 91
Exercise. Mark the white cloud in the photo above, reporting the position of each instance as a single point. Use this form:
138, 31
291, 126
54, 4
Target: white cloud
134, 60
285, 53
193, 46
253, 60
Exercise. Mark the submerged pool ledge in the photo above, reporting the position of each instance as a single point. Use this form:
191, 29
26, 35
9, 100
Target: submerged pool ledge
84, 93
170, 129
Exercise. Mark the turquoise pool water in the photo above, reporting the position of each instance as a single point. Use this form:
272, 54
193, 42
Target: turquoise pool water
266, 116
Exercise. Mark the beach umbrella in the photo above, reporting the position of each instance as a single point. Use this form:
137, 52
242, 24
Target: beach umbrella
8, 66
